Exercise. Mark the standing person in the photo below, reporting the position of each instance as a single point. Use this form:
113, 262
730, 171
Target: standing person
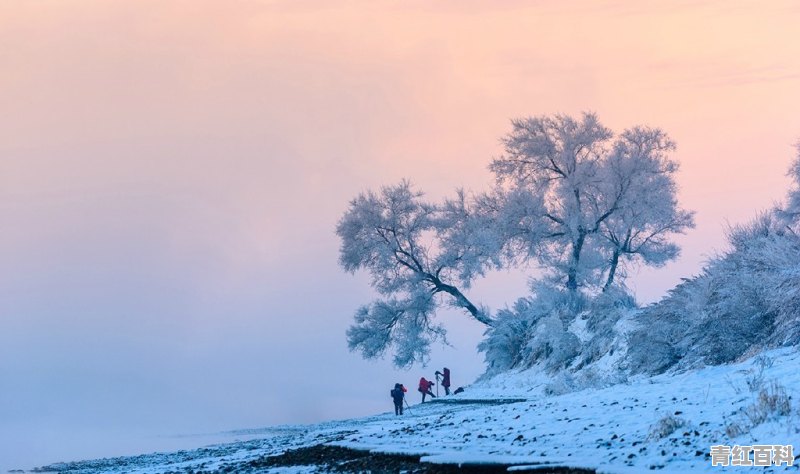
425, 388
445, 374
398, 395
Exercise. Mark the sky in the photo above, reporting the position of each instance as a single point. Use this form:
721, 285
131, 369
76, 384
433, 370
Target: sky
171, 175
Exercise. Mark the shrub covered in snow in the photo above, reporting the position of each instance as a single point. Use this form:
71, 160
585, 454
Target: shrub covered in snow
602, 314
744, 300
558, 330
506, 342
534, 331
666, 426
771, 403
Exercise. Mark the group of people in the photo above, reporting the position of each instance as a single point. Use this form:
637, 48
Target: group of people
425, 388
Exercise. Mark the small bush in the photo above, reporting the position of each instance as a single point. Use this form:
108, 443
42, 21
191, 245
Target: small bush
737, 388
735, 429
772, 402
561, 384
763, 362
666, 426
649, 356
755, 380
505, 344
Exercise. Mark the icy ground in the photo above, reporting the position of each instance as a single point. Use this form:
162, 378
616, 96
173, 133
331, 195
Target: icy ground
509, 420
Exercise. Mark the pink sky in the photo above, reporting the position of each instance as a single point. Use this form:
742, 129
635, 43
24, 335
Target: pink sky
241, 102
171, 172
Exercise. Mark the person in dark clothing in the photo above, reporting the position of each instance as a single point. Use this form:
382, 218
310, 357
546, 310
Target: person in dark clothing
445, 375
398, 394
425, 388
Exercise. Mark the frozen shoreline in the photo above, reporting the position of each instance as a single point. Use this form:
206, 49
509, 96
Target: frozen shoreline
609, 429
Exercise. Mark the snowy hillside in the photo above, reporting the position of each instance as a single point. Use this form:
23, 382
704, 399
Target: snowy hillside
668, 422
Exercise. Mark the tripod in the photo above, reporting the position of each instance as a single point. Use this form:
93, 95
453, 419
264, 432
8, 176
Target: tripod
436, 375
407, 407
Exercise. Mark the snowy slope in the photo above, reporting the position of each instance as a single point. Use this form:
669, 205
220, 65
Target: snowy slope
614, 429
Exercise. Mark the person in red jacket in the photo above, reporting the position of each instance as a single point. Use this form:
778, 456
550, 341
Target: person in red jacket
445, 375
425, 388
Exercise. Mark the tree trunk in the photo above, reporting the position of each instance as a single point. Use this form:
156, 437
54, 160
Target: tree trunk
575, 260
462, 300
612, 271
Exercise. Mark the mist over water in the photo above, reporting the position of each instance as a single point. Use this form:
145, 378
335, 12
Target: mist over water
72, 444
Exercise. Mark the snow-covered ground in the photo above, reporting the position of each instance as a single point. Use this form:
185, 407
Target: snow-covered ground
508, 420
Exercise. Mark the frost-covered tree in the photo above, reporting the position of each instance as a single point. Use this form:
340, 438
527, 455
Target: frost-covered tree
396, 236
647, 214
592, 201
557, 160
569, 196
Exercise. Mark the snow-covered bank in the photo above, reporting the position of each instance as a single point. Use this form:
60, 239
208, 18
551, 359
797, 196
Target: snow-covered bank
668, 422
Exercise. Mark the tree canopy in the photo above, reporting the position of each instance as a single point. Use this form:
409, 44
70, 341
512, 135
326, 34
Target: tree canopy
569, 195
